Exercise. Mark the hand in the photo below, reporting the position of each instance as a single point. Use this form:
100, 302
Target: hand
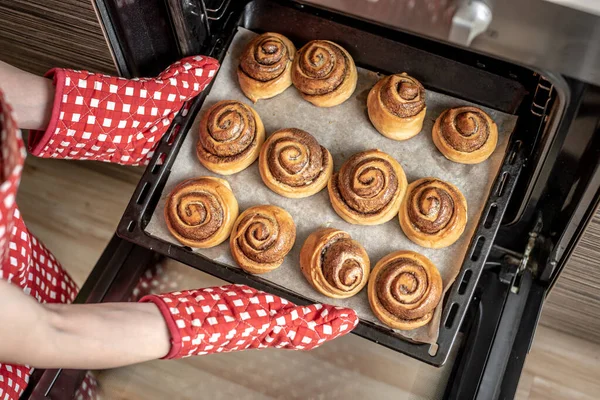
237, 317
104, 118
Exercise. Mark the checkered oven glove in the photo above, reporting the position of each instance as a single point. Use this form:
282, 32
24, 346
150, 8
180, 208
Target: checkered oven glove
237, 317
112, 119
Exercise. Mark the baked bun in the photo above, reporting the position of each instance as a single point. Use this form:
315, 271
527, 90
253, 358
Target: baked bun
293, 164
404, 290
262, 236
396, 106
200, 212
324, 73
433, 213
265, 66
465, 135
334, 264
231, 134
368, 189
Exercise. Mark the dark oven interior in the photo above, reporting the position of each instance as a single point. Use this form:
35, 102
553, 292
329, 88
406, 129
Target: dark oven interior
538, 100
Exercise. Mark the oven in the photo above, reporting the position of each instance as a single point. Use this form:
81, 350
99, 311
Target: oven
536, 60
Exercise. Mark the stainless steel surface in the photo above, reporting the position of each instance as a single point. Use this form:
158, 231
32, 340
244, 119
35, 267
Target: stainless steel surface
471, 19
537, 33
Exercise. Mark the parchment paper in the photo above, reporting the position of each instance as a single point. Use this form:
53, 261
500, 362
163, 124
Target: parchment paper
344, 130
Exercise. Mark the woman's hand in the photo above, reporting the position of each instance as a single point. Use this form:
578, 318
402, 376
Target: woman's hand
173, 325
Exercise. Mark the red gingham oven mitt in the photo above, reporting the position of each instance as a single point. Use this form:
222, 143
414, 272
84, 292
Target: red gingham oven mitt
113, 119
237, 317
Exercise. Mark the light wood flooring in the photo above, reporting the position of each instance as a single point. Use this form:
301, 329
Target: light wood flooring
74, 208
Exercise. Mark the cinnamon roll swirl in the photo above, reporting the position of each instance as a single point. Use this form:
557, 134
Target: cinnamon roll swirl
262, 236
368, 189
396, 106
334, 264
293, 164
265, 66
231, 134
433, 213
404, 290
324, 73
200, 212
465, 135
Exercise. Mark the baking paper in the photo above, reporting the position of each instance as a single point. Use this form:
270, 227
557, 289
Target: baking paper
343, 130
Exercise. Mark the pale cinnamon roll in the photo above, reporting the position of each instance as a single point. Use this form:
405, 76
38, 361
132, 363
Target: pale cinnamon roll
368, 189
433, 213
231, 134
404, 290
262, 236
265, 66
465, 135
324, 73
200, 212
293, 164
334, 264
396, 106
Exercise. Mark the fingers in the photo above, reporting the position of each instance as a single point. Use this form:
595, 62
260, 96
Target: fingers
308, 327
190, 75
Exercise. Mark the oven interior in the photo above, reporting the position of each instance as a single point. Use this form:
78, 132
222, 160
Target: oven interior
537, 99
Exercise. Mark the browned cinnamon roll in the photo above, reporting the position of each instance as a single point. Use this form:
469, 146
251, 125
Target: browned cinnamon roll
265, 66
334, 264
368, 189
261, 237
433, 213
396, 106
231, 134
324, 73
465, 135
293, 164
200, 212
404, 290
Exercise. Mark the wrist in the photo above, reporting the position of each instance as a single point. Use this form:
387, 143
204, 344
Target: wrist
172, 332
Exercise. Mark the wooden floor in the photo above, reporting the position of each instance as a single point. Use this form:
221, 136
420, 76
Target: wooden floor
74, 208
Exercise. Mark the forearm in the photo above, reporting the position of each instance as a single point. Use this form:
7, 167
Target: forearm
30, 96
86, 336
104, 335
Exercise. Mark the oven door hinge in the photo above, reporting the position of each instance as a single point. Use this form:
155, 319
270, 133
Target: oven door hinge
513, 264
529, 261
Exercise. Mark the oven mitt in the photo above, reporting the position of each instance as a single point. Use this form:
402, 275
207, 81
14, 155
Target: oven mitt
237, 317
112, 119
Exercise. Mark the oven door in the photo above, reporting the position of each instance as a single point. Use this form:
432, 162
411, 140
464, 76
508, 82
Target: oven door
487, 362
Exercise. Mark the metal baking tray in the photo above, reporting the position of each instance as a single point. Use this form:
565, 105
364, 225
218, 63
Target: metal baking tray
491, 82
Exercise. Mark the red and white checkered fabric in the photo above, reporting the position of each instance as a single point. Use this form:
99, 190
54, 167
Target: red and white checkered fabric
238, 317
24, 261
113, 119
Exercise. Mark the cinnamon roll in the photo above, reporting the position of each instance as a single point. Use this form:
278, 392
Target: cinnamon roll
396, 106
334, 264
200, 212
324, 73
231, 134
265, 66
368, 189
465, 135
261, 237
433, 213
404, 290
293, 164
